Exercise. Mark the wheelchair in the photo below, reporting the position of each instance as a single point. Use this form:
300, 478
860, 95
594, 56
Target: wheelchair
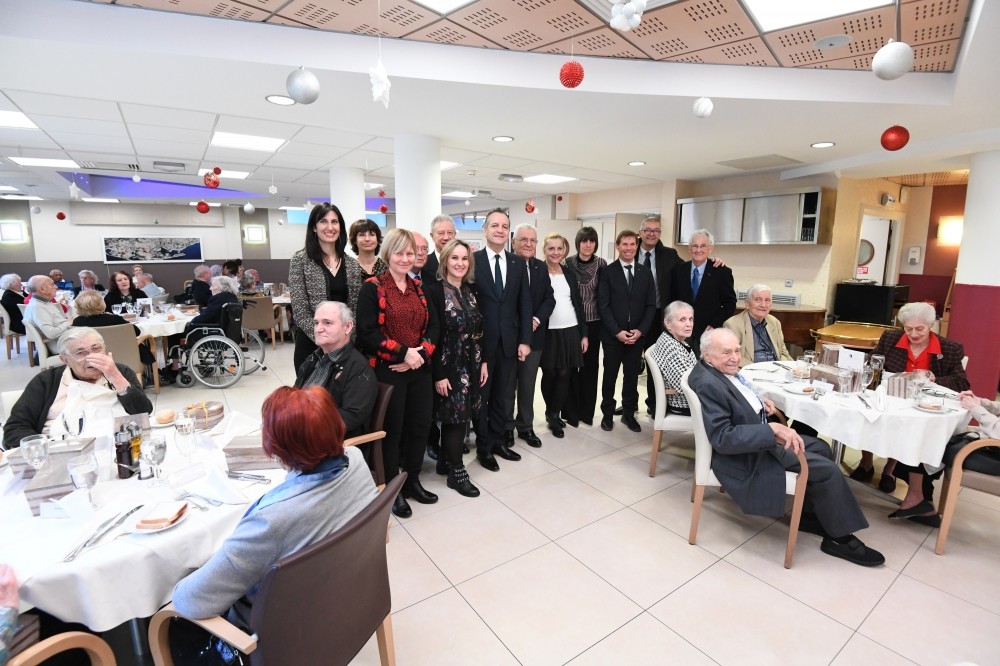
218, 356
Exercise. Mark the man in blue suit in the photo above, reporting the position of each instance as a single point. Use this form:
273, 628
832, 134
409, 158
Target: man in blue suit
501, 289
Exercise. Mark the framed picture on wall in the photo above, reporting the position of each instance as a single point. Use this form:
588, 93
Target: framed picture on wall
151, 249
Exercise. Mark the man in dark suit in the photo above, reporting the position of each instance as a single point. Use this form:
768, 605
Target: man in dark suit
542, 304
705, 287
442, 233
501, 289
626, 299
659, 259
750, 455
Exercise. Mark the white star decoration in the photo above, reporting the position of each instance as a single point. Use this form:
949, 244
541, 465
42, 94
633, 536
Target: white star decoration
74, 191
380, 83
273, 190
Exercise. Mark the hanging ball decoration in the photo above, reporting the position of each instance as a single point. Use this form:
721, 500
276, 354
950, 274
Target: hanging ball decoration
895, 137
892, 60
302, 86
558, 197
383, 209
136, 178
217, 171
248, 208
202, 207
571, 74
626, 15
530, 206
211, 180
703, 107
381, 193
617, 9
35, 210
60, 215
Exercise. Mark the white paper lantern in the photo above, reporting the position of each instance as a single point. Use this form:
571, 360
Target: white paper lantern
634, 20
303, 86
892, 60
703, 107
628, 10
619, 22
640, 6
248, 208
617, 8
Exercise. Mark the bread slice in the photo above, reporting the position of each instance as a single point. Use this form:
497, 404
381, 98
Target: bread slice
162, 515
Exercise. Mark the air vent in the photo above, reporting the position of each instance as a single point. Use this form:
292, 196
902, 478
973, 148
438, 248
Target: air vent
170, 167
777, 297
109, 166
511, 178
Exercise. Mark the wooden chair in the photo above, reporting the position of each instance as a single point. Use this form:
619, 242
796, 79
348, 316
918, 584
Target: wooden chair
317, 606
36, 344
121, 341
663, 420
261, 314
99, 652
11, 338
375, 434
795, 484
955, 478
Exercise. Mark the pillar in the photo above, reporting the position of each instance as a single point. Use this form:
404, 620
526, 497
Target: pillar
347, 192
418, 182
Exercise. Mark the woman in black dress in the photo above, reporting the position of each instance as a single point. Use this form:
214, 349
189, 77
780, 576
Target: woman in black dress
122, 291
458, 367
366, 241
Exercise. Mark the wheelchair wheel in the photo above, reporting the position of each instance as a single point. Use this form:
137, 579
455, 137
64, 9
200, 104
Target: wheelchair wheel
216, 361
253, 352
185, 378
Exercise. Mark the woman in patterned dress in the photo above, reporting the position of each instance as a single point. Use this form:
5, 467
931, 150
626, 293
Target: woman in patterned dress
587, 268
673, 355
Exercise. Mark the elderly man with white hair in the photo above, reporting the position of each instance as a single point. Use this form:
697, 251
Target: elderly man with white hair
758, 331
44, 312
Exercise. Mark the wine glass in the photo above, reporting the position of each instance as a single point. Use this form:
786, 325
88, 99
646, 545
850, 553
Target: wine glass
185, 438
73, 425
867, 374
844, 377
153, 450
83, 472
116, 308
35, 449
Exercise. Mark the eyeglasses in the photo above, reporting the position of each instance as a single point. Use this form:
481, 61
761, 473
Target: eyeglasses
81, 354
650, 231
700, 247
528, 241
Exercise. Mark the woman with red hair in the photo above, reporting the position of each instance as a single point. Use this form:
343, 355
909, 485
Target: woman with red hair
326, 486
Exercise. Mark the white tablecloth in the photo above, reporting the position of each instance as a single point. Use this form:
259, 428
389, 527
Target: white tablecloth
158, 326
126, 575
902, 432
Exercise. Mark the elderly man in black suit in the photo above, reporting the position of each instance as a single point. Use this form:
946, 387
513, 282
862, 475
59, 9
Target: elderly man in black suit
501, 289
704, 286
750, 454
442, 233
522, 381
626, 299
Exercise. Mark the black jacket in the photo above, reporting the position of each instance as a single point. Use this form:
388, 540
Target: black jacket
353, 387
542, 300
201, 292
506, 321
10, 301
716, 301
114, 297
620, 309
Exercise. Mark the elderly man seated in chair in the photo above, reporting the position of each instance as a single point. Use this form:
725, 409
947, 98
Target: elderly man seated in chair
757, 330
750, 454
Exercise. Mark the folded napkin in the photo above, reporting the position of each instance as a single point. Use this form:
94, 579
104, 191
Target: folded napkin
214, 484
879, 399
234, 424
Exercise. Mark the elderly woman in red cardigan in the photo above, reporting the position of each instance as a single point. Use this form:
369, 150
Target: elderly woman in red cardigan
398, 332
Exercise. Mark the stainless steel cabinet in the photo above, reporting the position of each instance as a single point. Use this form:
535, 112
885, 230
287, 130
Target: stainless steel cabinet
791, 216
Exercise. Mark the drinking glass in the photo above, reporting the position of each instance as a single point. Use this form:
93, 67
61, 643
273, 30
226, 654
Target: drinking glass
801, 371
83, 472
811, 357
877, 362
153, 450
185, 437
35, 449
844, 377
867, 374
116, 308
73, 425
129, 308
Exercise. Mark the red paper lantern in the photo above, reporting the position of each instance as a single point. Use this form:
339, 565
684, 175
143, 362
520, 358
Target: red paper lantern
381, 193
895, 137
60, 215
216, 171
202, 207
530, 206
211, 180
571, 74
383, 209
558, 197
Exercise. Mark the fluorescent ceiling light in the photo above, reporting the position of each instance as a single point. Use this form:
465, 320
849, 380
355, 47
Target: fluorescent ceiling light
373, 186
548, 179
7, 188
637, 163
443, 6
292, 208
235, 175
195, 203
16, 120
458, 194
263, 144
20, 197
448, 165
778, 14
99, 200
280, 100
44, 162
12, 232
824, 144
503, 139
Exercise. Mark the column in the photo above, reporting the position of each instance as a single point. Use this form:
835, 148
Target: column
347, 192
975, 300
418, 182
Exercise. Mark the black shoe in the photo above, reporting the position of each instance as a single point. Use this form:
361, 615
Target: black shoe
927, 521
556, 429
413, 490
619, 411
854, 551
862, 474
886, 483
465, 449
808, 522
488, 461
458, 479
400, 508
631, 423
433, 451
920, 509
607, 424
530, 437
508, 438
589, 422
650, 412
505, 453
572, 422
441, 466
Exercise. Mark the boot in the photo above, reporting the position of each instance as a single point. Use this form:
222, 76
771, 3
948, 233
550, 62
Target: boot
441, 466
458, 479
414, 491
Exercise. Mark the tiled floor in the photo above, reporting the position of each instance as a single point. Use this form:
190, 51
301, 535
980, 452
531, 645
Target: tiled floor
574, 555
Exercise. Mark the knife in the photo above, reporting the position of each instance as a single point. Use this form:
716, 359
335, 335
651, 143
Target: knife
83, 545
249, 477
865, 402
101, 532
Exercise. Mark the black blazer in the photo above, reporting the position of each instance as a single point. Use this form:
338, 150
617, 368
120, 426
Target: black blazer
507, 321
542, 300
666, 258
114, 297
621, 310
212, 314
716, 300
201, 292
428, 274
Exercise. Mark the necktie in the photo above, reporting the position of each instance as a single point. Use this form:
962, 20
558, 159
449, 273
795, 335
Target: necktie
646, 262
743, 380
695, 283
528, 264
497, 276
628, 277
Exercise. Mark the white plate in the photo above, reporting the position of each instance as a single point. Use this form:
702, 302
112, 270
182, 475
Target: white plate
131, 526
799, 389
153, 423
942, 410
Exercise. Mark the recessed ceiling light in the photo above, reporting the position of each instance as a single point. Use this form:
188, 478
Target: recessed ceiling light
44, 162
548, 179
263, 144
778, 14
458, 194
445, 165
16, 120
637, 163
99, 200
226, 173
832, 41
443, 6
503, 139
280, 100
7, 188
195, 203
373, 186
510, 178
20, 197
824, 144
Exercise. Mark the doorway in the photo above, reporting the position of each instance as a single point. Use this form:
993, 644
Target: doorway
878, 260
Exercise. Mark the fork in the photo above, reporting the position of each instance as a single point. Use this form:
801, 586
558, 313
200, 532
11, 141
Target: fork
193, 497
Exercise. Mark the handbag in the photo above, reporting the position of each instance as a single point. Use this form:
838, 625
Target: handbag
986, 460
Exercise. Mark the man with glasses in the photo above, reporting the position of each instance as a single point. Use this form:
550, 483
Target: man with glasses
442, 233
704, 286
543, 302
419, 257
93, 382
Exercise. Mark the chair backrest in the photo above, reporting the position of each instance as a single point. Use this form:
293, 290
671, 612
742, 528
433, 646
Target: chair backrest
653, 371
120, 340
22, 307
7, 400
34, 335
5, 321
232, 321
162, 298
258, 313
702, 447
322, 604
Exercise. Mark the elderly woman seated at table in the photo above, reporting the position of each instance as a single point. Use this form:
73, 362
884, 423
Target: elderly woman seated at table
758, 331
88, 282
90, 312
93, 382
13, 295
673, 354
915, 347
224, 291
327, 485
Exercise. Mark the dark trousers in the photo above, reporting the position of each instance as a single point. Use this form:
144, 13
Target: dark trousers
582, 398
625, 358
303, 347
648, 340
555, 390
493, 412
407, 419
521, 393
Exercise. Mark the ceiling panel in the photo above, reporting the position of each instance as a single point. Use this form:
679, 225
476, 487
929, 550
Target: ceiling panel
25, 138
164, 117
603, 42
680, 28
161, 133
72, 141
398, 17
368, 160
748, 52
55, 124
170, 149
217, 8
299, 161
42, 103
257, 127
449, 32
525, 25
331, 137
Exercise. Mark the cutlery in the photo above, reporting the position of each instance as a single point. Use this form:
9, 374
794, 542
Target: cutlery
782, 365
864, 402
114, 525
76, 551
189, 495
248, 477
101, 532
191, 501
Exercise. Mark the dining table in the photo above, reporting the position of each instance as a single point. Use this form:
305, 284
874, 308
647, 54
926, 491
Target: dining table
160, 326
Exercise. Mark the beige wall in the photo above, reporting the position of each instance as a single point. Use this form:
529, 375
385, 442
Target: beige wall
918, 216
